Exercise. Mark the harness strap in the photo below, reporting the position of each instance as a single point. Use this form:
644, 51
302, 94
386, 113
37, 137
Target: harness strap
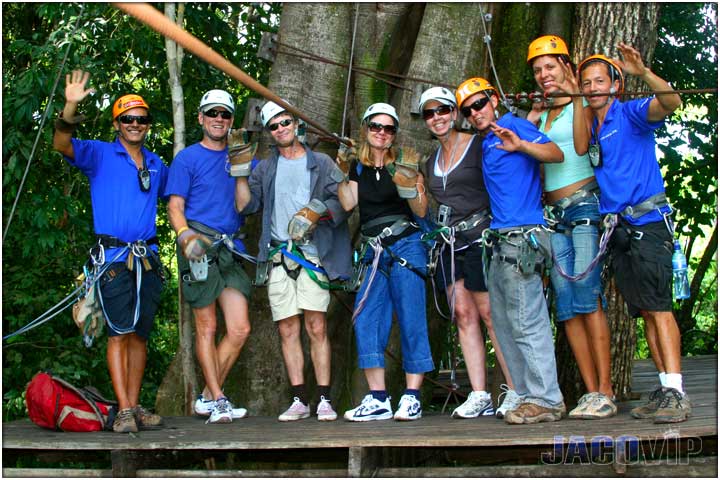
515, 261
108, 241
223, 238
396, 228
381, 221
586, 190
655, 202
476, 219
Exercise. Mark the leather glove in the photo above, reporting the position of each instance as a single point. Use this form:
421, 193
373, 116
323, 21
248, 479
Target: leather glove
240, 153
406, 172
193, 244
305, 220
346, 155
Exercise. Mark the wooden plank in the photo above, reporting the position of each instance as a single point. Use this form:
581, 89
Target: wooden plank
697, 467
56, 473
314, 473
363, 462
124, 463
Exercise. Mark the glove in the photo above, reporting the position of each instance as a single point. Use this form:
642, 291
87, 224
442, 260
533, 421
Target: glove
345, 156
193, 244
406, 172
304, 221
240, 153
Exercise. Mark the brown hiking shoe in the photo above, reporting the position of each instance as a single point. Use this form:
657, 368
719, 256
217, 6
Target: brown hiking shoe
125, 421
648, 410
533, 413
673, 407
146, 419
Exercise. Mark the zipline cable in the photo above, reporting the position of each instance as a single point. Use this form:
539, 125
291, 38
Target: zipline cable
349, 74
154, 19
42, 121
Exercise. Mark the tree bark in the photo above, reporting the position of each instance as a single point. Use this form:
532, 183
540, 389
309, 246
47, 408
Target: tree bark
599, 27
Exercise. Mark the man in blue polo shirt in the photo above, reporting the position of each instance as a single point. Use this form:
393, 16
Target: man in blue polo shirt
126, 180
203, 213
622, 148
512, 151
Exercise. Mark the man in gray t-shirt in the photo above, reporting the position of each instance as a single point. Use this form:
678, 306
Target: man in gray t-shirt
300, 209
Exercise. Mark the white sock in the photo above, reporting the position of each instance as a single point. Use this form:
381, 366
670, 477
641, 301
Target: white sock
674, 380
663, 379
482, 393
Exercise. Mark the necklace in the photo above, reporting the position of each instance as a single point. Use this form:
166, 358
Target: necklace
442, 161
377, 172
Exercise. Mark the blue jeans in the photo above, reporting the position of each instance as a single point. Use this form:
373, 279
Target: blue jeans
522, 325
574, 250
403, 292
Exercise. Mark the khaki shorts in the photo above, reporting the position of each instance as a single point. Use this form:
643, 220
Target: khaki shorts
224, 271
289, 297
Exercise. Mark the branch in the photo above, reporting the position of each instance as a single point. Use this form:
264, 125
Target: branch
686, 321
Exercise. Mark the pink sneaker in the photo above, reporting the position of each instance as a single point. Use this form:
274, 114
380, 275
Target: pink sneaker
297, 411
325, 412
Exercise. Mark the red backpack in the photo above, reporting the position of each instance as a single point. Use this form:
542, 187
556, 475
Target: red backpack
55, 404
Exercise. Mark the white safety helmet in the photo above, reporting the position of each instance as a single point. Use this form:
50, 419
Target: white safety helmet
440, 94
378, 108
271, 109
217, 98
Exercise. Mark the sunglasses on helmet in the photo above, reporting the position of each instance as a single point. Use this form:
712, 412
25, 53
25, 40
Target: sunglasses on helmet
377, 127
429, 113
140, 119
282, 123
477, 105
212, 113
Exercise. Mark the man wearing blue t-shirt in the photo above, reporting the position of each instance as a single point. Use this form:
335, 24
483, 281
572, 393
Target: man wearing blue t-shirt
622, 147
126, 180
209, 252
512, 151
304, 243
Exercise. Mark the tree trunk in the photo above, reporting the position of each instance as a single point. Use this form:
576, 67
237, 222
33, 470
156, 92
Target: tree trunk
599, 27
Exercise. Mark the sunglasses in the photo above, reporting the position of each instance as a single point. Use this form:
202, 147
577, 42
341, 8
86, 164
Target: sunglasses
376, 127
129, 119
212, 113
477, 105
441, 110
282, 123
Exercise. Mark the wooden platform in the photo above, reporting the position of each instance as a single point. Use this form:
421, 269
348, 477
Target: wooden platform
421, 448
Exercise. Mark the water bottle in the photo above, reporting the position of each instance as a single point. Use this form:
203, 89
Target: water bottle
681, 286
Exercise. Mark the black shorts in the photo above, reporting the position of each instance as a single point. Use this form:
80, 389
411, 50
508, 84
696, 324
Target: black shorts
643, 267
118, 292
468, 266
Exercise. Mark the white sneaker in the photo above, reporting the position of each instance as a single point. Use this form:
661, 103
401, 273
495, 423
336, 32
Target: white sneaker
408, 409
325, 411
297, 411
203, 406
511, 402
478, 403
222, 413
370, 409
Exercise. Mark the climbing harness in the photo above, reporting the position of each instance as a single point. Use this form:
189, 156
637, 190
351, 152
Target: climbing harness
42, 120
524, 239
291, 251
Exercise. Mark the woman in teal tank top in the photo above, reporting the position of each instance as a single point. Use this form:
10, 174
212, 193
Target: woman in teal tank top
572, 195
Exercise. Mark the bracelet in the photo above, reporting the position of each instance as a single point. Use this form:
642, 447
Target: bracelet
182, 230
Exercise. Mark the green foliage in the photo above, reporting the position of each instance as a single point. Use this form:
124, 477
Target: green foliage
51, 229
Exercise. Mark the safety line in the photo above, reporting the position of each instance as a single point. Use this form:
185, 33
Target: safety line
42, 121
349, 74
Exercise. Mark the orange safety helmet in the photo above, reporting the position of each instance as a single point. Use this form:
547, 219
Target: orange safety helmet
547, 45
128, 102
470, 87
613, 66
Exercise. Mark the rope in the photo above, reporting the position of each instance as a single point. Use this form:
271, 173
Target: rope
609, 224
154, 19
349, 74
42, 121
487, 39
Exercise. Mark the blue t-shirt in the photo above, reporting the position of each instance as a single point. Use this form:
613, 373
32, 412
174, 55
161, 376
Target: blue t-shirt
202, 177
630, 172
120, 208
513, 178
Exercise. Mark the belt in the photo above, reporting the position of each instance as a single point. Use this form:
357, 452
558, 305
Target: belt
472, 222
398, 226
108, 241
516, 230
211, 232
657, 201
584, 191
